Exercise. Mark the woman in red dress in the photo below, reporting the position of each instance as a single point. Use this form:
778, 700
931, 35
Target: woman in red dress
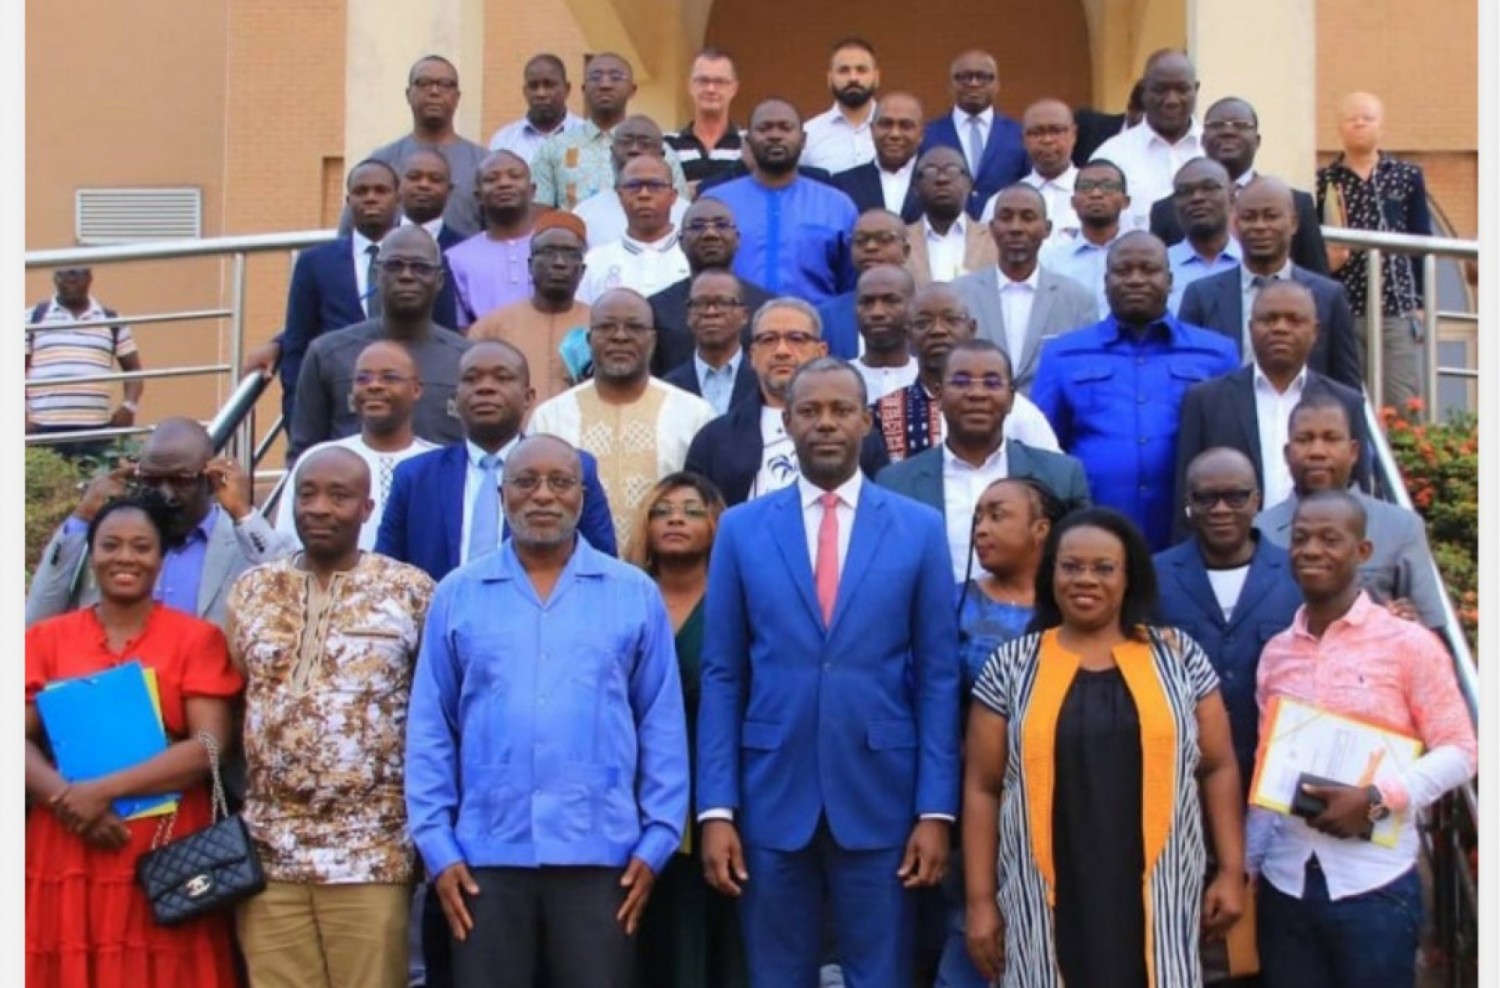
88, 923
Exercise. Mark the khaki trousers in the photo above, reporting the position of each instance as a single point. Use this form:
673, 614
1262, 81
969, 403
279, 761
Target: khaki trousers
298, 935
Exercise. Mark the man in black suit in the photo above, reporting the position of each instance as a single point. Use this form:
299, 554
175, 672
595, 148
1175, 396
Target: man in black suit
718, 370
1266, 222
1231, 136
1095, 126
888, 182
426, 184
710, 239
747, 452
1249, 410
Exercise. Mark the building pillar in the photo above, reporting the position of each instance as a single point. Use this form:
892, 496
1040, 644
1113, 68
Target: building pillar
384, 38
1265, 53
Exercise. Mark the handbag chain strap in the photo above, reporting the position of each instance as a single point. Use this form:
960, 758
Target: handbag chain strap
220, 805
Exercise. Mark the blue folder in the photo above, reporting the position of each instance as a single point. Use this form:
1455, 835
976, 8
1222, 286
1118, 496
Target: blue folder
101, 724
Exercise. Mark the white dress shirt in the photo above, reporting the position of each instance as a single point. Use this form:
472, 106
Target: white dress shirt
473, 477
1248, 291
962, 485
894, 185
434, 227
834, 144
520, 137
1273, 414
1149, 162
630, 263
1057, 193
1016, 300
961, 127
808, 495
945, 251
362, 284
881, 381
604, 218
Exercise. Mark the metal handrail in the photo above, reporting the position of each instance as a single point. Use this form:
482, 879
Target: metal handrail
190, 315
210, 247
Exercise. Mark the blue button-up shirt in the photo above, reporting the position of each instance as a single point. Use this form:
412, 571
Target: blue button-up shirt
1188, 266
182, 568
546, 733
716, 384
1114, 397
793, 240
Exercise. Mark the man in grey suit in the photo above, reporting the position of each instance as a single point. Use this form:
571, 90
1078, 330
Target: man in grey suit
216, 534
975, 399
1018, 303
1321, 454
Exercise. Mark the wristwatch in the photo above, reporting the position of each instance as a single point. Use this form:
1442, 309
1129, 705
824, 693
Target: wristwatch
1378, 810
130, 407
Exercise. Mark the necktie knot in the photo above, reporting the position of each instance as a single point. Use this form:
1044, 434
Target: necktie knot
829, 500
489, 462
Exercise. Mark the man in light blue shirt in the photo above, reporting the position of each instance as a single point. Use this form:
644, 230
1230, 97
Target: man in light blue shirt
546, 747
546, 88
1100, 196
717, 317
1200, 196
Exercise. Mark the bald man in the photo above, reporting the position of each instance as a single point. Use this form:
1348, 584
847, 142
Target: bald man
1048, 129
992, 143
1365, 188
324, 741
490, 269
215, 534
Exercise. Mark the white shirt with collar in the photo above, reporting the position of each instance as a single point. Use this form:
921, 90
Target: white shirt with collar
809, 495
894, 185
962, 485
604, 218
434, 227
522, 138
1149, 162
834, 144
1248, 291
1057, 193
647, 267
961, 120
945, 251
1273, 414
473, 477
362, 244
1016, 301
881, 381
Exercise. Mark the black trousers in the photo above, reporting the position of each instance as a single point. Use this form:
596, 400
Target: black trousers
553, 926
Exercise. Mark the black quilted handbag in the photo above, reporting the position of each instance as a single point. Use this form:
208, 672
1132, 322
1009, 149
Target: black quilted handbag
204, 871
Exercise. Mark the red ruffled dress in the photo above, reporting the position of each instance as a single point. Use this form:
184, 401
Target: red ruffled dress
88, 924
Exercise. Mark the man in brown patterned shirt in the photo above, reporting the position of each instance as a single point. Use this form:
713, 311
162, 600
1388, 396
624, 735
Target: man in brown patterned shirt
327, 640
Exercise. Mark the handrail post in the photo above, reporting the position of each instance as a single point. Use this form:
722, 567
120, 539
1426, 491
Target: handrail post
1430, 338
1375, 326
243, 441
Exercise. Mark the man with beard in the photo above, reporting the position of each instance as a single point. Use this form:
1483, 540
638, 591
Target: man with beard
577, 163
538, 325
638, 426
216, 533
1200, 194
718, 371
443, 509
882, 304
910, 421
550, 651
879, 238
946, 242
489, 269
794, 232
426, 185
839, 139
647, 257
1100, 196
602, 213
544, 83
888, 181
410, 278
385, 394
1048, 129
710, 239
989, 141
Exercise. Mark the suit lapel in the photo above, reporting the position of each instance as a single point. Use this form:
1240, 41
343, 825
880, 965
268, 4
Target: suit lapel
1243, 388
1258, 582
870, 521
990, 313
790, 536
920, 266
1232, 305
344, 278
929, 486
450, 490
979, 247
1041, 311
1192, 576
218, 558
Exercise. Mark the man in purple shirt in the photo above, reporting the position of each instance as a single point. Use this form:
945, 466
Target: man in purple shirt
492, 268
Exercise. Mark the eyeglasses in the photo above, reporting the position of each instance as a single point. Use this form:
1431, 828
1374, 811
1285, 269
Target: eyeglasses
879, 238
709, 303
1238, 126
1098, 185
703, 226
178, 480
950, 170
396, 267
636, 140
792, 339
1205, 500
691, 510
707, 81
973, 78
606, 75
953, 320
1189, 189
1103, 570
528, 483
556, 253
608, 329
968, 382
445, 85
644, 185
388, 378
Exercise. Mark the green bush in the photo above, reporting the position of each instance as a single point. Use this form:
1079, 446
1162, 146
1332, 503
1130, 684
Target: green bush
51, 493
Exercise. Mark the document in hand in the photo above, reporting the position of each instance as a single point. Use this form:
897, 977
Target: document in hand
104, 723
1301, 738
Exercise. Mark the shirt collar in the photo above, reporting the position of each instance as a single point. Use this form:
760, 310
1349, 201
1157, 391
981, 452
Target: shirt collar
808, 493
94, 311
1063, 182
731, 367
476, 454
1194, 135
661, 246
959, 228
569, 121
434, 227
1263, 383
836, 117
202, 531
1246, 178
1165, 325
1030, 281
592, 132
1183, 253
731, 139
505, 567
906, 169
362, 243
1247, 276
1358, 613
952, 462
961, 120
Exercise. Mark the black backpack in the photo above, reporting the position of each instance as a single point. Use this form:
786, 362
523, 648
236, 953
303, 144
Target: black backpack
114, 331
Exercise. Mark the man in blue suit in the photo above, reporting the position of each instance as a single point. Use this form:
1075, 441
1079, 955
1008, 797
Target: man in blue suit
828, 726
990, 141
879, 238
1227, 586
444, 506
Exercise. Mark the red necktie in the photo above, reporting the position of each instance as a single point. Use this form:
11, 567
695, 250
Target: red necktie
826, 572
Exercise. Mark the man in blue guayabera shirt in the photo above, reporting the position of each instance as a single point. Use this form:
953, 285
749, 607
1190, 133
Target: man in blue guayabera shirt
547, 761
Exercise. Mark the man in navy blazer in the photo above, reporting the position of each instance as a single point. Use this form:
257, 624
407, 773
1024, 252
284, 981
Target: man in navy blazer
1266, 221
975, 79
897, 132
828, 728
1228, 587
717, 317
427, 519
879, 238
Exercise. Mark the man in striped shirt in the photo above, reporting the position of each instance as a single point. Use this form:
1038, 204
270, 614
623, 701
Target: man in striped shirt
84, 351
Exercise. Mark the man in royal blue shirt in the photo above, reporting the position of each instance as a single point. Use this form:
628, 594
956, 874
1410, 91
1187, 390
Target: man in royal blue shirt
546, 746
794, 232
1113, 391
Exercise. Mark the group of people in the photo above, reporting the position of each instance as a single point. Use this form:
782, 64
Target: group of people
804, 582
